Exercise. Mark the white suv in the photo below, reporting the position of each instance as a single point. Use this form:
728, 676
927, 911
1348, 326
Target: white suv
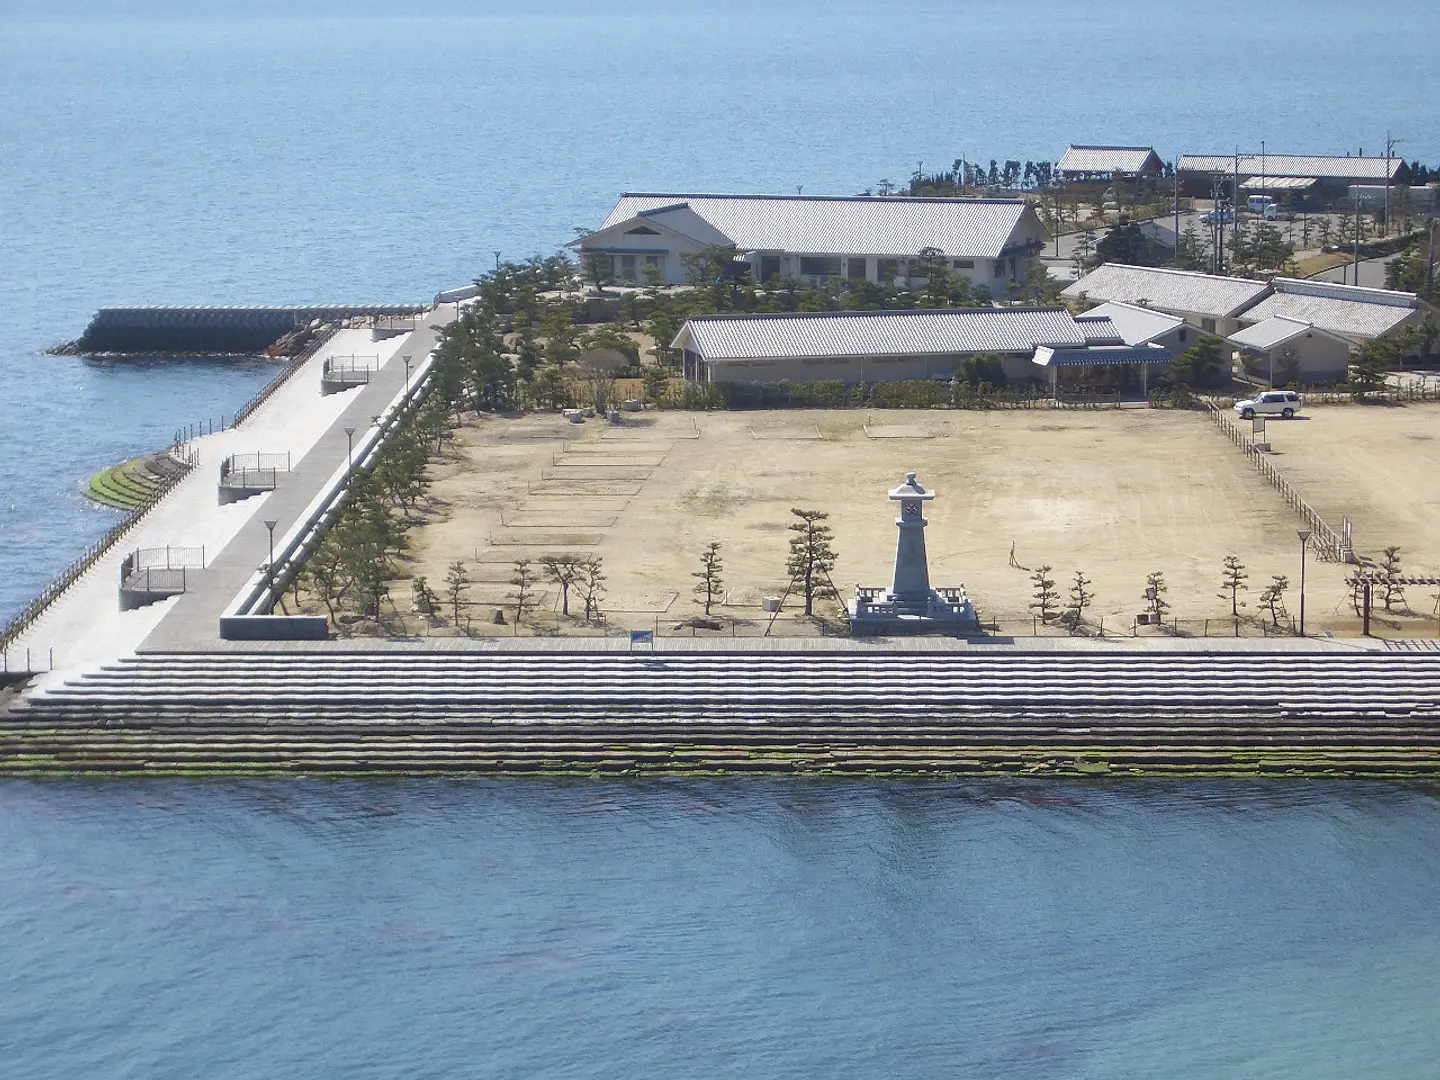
1284, 403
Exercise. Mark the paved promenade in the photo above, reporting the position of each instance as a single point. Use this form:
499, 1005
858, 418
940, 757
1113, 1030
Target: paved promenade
85, 629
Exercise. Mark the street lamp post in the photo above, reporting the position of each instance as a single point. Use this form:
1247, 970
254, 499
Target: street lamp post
270, 524
1304, 535
407, 375
349, 450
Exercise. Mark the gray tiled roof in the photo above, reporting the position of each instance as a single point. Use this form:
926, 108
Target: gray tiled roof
879, 333
1136, 325
836, 225
1351, 310
1169, 290
1268, 333
1302, 165
1104, 159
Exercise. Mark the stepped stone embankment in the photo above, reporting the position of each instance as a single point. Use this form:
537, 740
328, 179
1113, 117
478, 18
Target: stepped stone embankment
844, 712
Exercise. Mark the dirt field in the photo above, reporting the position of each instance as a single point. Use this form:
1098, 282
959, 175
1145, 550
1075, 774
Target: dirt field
1116, 494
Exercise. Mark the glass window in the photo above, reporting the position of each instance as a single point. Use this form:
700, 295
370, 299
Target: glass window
889, 269
999, 267
1208, 325
963, 264
817, 267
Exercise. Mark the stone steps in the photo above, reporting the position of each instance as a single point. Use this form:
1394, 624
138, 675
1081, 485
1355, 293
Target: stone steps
537, 712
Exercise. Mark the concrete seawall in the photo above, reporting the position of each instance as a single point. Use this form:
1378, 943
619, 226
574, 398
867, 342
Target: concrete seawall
214, 329
339, 708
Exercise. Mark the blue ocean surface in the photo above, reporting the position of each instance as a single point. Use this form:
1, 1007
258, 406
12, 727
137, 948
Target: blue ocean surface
229, 153
253, 151
696, 928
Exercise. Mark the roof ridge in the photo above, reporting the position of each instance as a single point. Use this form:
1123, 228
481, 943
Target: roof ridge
740, 316
1176, 271
685, 196
1308, 283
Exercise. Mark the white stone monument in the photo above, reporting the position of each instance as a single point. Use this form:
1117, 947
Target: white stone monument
910, 604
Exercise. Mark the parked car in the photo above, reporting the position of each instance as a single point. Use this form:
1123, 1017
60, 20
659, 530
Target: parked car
1285, 403
1222, 214
1278, 213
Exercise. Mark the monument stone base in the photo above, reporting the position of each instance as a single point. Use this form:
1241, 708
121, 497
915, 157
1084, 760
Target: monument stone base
943, 610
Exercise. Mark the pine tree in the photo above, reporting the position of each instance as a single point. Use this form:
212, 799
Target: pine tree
711, 582
1272, 598
1232, 583
811, 556
524, 595
1045, 596
592, 585
457, 581
1080, 598
1155, 590
1391, 569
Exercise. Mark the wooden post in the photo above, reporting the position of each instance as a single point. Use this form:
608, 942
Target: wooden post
1365, 627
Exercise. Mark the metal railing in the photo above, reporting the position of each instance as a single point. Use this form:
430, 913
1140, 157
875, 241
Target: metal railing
1330, 545
67, 577
253, 472
168, 558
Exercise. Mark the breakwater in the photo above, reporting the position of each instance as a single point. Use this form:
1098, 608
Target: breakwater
353, 710
219, 330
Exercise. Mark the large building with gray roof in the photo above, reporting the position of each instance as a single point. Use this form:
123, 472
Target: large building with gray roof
1329, 175
822, 241
889, 346
1208, 301
1354, 312
1081, 162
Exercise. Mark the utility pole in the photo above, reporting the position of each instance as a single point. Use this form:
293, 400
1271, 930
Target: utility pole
1390, 144
1235, 205
1177, 217
1356, 271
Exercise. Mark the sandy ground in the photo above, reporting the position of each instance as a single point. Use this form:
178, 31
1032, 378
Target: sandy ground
1116, 494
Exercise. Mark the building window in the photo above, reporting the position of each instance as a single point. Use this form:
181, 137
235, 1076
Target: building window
856, 271
963, 264
627, 268
1180, 337
1208, 325
769, 267
888, 269
817, 267
999, 267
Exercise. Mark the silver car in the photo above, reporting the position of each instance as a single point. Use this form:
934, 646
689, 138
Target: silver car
1283, 403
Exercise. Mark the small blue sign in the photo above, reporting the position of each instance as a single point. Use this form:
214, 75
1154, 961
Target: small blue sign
638, 637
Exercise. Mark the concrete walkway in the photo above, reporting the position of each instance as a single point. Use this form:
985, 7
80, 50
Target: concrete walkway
85, 629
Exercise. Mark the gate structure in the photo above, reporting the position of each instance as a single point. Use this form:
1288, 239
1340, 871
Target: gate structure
1367, 582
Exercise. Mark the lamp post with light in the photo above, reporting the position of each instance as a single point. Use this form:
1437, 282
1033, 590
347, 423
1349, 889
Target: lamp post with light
1304, 535
270, 524
349, 450
407, 375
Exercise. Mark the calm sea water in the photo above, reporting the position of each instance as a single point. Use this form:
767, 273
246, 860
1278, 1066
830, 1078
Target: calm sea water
318, 150
699, 928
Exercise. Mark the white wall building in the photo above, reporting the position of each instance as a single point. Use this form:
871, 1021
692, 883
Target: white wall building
1282, 350
820, 241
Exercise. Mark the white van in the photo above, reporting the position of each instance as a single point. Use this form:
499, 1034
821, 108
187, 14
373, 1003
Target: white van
1259, 204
